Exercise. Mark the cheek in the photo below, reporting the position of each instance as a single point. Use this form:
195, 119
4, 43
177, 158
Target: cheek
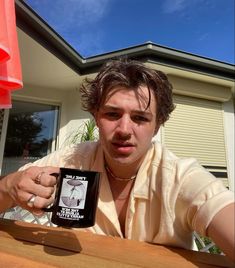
105, 126
145, 132
145, 138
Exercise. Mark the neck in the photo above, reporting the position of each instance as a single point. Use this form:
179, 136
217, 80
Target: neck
112, 175
121, 172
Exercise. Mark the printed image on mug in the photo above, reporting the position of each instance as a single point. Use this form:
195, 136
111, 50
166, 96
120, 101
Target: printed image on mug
73, 193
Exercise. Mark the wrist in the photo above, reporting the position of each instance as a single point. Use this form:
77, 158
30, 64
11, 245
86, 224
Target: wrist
5, 199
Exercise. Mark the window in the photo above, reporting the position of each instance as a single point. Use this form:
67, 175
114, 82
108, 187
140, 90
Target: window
31, 134
196, 129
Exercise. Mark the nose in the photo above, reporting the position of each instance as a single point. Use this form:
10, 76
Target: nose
124, 127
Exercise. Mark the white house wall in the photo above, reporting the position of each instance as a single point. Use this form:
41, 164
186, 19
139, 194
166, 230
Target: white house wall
72, 116
229, 139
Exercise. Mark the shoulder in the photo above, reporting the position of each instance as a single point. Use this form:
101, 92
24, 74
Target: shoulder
178, 169
164, 158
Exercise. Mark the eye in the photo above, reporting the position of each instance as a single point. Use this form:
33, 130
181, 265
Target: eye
112, 115
140, 118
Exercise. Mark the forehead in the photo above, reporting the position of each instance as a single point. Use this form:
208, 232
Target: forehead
141, 97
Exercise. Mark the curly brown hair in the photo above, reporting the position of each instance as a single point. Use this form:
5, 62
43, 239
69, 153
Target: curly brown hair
130, 74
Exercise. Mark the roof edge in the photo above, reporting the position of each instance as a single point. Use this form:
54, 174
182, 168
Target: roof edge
38, 29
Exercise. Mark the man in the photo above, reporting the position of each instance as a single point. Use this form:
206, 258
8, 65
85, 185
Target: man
147, 193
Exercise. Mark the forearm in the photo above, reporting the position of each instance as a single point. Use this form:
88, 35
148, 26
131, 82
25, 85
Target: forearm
5, 199
221, 230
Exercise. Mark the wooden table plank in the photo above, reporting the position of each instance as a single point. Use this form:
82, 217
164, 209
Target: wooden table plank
74, 246
10, 261
29, 255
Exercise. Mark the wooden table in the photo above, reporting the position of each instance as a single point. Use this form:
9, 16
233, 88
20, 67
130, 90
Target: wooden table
30, 245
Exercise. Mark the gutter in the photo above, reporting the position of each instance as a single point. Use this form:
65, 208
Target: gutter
169, 57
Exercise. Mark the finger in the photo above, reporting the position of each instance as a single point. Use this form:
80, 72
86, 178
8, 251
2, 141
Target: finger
27, 187
40, 202
40, 193
31, 200
50, 170
35, 204
43, 191
45, 179
35, 175
33, 188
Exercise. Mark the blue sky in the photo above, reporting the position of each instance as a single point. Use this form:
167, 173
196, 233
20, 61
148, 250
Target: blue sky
92, 27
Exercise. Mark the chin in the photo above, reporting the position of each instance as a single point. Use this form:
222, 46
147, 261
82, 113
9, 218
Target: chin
123, 161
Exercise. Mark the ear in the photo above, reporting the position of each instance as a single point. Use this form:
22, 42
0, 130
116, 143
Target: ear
95, 115
156, 128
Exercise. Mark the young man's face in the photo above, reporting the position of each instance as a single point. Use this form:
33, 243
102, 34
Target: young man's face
126, 127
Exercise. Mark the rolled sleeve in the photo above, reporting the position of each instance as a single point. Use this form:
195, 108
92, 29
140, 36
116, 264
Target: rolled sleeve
201, 197
209, 209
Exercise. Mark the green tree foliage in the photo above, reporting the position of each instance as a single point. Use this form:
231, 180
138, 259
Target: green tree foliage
23, 130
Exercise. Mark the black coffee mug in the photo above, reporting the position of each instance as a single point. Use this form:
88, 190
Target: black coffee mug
76, 198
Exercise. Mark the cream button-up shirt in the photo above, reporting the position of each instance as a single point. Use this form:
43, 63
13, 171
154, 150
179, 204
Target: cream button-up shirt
171, 196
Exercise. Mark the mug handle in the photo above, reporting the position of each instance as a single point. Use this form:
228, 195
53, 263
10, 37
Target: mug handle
50, 209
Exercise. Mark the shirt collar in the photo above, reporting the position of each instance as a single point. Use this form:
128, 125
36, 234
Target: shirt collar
141, 188
106, 202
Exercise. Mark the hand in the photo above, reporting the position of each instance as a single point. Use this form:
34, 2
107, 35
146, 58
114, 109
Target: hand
31, 188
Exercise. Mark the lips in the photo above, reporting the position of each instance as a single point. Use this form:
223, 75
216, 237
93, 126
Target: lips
123, 147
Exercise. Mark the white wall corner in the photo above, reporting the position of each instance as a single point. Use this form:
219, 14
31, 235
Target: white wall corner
229, 140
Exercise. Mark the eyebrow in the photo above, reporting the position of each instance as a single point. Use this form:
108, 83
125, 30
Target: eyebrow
140, 112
